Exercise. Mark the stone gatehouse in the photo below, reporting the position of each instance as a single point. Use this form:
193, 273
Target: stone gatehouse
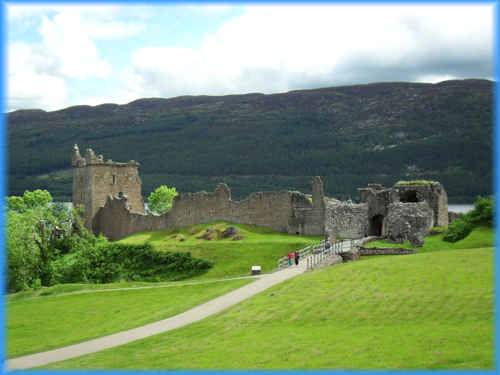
111, 195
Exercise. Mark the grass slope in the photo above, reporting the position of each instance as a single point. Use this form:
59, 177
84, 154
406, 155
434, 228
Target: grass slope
42, 323
259, 247
479, 237
429, 310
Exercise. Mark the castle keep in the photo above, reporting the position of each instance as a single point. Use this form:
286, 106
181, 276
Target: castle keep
111, 195
94, 180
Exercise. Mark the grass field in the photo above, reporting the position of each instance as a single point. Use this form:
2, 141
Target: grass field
71, 313
36, 324
479, 237
432, 310
259, 246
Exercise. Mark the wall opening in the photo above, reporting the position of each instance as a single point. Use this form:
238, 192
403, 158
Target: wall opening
409, 196
376, 225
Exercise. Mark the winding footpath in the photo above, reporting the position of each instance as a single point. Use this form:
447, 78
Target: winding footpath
190, 316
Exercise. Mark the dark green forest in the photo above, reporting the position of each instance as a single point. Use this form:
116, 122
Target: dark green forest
350, 136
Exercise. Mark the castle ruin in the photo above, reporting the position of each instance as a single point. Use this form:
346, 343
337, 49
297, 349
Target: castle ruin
111, 195
94, 180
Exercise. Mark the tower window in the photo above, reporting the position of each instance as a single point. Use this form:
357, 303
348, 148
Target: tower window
114, 179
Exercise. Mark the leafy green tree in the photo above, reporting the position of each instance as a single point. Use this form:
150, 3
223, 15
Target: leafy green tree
23, 256
160, 200
36, 198
29, 200
15, 203
37, 235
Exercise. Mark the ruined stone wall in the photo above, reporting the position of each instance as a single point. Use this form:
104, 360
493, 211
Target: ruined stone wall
270, 209
346, 220
307, 221
116, 178
116, 220
82, 193
435, 195
94, 180
369, 251
408, 221
441, 208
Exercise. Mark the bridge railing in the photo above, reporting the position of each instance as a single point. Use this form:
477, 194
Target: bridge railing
315, 253
306, 251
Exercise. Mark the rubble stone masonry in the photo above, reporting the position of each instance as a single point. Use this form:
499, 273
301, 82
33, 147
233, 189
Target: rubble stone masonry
111, 195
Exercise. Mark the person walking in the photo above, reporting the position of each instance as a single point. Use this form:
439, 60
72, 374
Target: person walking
290, 258
297, 256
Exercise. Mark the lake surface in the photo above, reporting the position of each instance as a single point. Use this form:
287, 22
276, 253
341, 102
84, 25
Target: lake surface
460, 208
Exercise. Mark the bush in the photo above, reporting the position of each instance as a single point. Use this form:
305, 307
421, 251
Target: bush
457, 230
483, 211
482, 214
115, 262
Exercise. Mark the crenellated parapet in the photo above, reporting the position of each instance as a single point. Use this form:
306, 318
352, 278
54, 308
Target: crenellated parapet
90, 158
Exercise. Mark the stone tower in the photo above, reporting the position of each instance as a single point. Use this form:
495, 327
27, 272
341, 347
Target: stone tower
94, 180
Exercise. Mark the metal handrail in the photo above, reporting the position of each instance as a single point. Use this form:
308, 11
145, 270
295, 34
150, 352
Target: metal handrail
318, 252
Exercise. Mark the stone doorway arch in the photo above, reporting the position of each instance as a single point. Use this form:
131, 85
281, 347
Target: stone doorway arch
376, 223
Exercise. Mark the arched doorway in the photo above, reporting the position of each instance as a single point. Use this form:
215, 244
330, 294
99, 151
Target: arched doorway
376, 225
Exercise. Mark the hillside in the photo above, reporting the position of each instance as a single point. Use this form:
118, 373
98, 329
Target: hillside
423, 311
350, 135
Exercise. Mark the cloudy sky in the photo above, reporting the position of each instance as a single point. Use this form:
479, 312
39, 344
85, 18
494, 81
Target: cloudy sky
64, 55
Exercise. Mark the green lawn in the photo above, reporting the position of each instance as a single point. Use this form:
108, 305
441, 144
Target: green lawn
36, 324
259, 247
432, 310
70, 313
479, 237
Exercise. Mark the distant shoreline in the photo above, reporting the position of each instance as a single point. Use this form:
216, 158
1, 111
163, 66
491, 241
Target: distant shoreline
460, 208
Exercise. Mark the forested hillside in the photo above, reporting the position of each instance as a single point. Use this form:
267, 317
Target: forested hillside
349, 135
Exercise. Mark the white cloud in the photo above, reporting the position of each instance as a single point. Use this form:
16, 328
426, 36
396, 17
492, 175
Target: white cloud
269, 48
69, 44
36, 91
67, 50
278, 48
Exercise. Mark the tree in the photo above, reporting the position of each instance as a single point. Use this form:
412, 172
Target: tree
160, 200
37, 235
30, 199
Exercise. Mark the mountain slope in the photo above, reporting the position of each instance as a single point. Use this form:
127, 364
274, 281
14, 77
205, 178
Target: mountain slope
350, 135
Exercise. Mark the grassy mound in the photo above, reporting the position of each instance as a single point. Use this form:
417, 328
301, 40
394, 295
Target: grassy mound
431, 310
231, 256
479, 237
37, 324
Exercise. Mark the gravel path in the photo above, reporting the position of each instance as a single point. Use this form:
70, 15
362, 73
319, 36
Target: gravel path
190, 316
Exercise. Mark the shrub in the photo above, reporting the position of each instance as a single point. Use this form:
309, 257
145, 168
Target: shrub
458, 229
482, 214
115, 262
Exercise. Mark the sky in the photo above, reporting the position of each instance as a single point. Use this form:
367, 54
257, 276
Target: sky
63, 55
